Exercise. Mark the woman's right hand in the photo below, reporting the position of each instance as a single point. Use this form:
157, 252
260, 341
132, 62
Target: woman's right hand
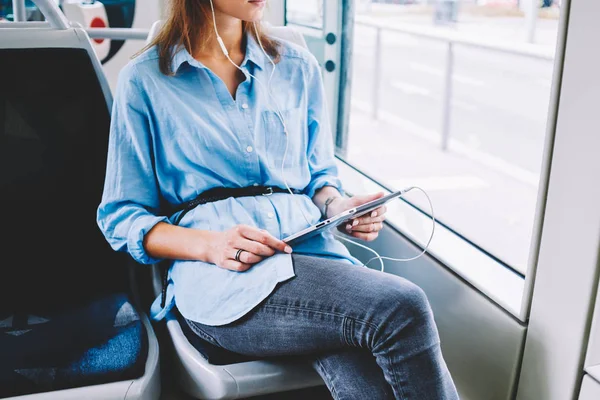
256, 244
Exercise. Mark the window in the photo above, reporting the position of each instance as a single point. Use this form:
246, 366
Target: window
453, 96
307, 13
31, 12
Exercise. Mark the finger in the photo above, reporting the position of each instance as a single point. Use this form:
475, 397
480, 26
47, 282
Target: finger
368, 220
365, 236
236, 266
378, 212
265, 238
247, 257
368, 228
253, 247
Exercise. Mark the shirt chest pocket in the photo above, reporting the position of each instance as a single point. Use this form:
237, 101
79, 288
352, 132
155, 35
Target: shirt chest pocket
276, 140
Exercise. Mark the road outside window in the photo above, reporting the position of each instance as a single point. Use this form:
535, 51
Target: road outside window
453, 96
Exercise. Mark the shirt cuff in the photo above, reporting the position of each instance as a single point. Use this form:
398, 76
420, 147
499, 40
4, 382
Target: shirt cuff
321, 181
135, 243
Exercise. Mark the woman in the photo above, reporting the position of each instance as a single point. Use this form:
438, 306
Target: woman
192, 116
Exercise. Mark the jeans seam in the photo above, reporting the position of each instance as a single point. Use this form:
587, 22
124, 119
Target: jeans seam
398, 384
347, 331
282, 306
203, 335
333, 391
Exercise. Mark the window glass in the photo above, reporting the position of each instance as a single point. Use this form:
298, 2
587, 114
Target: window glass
305, 12
31, 11
453, 96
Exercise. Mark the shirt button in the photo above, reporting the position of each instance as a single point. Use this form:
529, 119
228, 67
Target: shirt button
270, 215
249, 149
244, 106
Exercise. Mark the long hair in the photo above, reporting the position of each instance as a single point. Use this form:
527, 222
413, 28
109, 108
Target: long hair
189, 24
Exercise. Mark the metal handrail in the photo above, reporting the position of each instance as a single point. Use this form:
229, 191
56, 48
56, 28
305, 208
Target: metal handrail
28, 24
56, 19
51, 12
19, 11
451, 40
118, 33
524, 49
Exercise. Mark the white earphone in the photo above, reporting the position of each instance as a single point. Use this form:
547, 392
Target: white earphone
285, 130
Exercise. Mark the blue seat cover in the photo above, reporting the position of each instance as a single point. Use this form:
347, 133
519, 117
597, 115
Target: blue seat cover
99, 342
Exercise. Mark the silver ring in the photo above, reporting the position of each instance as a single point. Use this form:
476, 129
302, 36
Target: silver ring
237, 255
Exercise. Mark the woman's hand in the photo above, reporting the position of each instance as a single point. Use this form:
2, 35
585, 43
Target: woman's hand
366, 227
255, 244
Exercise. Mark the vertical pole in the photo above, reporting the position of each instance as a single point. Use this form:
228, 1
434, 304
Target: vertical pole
531, 13
19, 11
377, 73
447, 99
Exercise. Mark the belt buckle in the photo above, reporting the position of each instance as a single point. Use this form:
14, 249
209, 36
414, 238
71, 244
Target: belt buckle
268, 192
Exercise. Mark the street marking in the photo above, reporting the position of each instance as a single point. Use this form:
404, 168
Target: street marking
437, 183
411, 89
438, 72
469, 81
464, 105
415, 90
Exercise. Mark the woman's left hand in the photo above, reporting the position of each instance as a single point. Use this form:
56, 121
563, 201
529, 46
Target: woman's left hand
366, 227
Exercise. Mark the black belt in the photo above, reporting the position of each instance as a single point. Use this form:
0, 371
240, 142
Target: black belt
222, 193
216, 194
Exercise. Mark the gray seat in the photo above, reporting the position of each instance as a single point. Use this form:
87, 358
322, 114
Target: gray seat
205, 371
70, 327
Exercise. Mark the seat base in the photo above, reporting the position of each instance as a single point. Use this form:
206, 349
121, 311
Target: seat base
203, 380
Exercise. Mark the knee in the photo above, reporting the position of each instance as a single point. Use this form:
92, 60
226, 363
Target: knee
404, 317
405, 300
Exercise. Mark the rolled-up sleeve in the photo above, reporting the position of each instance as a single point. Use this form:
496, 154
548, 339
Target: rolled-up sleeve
321, 156
131, 199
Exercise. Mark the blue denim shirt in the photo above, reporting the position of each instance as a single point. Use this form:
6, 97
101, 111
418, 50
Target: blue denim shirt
173, 137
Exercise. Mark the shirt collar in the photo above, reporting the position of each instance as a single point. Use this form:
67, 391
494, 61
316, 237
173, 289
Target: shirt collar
253, 53
181, 56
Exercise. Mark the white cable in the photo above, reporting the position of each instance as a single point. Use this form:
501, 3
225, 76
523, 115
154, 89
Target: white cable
381, 258
280, 116
266, 55
267, 89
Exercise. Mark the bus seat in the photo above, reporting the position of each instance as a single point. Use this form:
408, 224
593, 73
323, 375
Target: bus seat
69, 324
205, 371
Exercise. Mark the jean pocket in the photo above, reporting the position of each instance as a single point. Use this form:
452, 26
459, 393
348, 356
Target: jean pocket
285, 149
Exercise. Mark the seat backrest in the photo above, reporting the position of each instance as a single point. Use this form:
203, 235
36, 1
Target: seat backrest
287, 33
54, 129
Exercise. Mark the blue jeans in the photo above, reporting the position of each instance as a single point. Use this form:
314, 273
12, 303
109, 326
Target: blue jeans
371, 335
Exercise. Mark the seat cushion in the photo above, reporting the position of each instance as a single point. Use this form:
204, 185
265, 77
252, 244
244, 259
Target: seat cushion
99, 342
213, 354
